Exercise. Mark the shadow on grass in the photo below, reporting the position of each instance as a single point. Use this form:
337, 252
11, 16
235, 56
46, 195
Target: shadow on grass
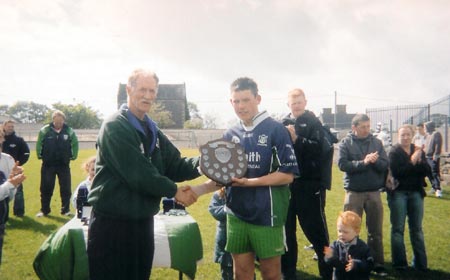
27, 223
408, 274
306, 276
413, 274
444, 197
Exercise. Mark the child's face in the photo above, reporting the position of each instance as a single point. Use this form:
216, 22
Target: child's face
345, 233
91, 170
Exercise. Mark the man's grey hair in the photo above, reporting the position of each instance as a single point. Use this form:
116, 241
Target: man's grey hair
58, 113
141, 73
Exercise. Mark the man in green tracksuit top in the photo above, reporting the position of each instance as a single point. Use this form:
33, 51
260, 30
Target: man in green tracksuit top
136, 165
57, 145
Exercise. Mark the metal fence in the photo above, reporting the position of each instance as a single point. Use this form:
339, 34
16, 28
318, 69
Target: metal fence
395, 116
181, 138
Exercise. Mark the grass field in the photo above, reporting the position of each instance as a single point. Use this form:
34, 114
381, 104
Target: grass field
25, 235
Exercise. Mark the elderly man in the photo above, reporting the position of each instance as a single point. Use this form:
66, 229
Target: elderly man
136, 166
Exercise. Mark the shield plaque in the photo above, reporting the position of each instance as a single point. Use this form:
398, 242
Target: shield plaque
222, 160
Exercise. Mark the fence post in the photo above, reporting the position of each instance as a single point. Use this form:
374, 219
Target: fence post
390, 129
446, 134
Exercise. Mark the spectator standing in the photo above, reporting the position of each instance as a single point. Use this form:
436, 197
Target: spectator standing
8, 187
56, 146
217, 210
16, 147
420, 139
433, 149
308, 192
382, 133
409, 167
364, 162
7, 165
136, 166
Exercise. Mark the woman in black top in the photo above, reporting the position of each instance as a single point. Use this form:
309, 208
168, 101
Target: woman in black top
409, 167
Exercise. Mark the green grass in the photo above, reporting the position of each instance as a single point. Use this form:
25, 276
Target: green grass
25, 235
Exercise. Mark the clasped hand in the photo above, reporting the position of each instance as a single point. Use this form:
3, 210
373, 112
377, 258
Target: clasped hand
416, 156
371, 158
16, 177
185, 196
328, 253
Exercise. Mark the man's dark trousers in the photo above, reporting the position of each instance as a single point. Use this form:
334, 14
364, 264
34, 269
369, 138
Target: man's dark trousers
435, 179
123, 248
308, 204
48, 177
19, 202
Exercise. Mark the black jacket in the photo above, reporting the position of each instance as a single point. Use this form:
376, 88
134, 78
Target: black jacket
56, 148
410, 177
307, 147
16, 147
360, 253
359, 177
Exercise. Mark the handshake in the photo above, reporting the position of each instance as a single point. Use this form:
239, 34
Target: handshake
185, 196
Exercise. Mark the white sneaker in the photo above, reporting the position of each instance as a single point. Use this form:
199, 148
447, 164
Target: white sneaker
309, 247
66, 213
438, 193
40, 214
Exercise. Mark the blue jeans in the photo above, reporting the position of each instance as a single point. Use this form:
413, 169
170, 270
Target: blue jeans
435, 178
402, 204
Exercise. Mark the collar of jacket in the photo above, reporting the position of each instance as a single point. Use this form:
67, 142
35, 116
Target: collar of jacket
137, 125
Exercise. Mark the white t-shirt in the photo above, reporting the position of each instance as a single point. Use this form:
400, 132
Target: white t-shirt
6, 165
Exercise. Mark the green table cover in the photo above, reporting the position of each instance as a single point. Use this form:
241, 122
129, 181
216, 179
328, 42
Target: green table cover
62, 256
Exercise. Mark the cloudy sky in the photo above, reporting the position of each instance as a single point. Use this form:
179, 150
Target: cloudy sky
372, 53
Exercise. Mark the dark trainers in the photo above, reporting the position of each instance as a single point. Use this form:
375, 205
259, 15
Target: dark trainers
380, 271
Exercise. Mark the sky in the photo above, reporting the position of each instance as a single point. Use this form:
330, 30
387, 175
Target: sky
365, 54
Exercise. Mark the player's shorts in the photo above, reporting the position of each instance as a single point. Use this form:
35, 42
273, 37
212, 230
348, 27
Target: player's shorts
264, 241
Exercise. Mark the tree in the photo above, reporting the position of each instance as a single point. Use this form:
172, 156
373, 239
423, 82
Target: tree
193, 110
160, 115
77, 116
195, 123
28, 112
3, 110
209, 121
